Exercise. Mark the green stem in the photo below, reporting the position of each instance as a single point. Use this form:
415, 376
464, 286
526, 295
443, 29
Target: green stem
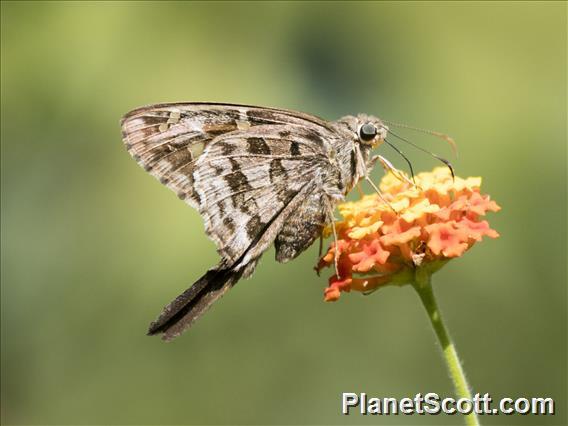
423, 286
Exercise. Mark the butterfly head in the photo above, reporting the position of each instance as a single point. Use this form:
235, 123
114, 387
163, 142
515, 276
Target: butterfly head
370, 130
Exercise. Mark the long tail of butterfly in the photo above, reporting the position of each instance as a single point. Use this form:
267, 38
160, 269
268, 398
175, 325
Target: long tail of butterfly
184, 310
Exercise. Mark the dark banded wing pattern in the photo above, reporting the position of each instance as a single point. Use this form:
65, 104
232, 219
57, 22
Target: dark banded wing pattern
245, 178
167, 139
238, 165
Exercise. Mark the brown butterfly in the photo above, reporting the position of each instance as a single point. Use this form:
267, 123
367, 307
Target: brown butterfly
256, 175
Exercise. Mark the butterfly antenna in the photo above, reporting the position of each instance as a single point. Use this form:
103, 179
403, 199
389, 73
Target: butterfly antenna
405, 159
442, 136
437, 157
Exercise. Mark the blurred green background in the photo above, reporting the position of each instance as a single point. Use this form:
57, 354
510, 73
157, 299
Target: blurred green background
93, 247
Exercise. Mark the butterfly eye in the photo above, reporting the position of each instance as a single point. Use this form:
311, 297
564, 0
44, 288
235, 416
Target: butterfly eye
367, 132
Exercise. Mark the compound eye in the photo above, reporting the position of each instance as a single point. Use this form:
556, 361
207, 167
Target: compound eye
367, 132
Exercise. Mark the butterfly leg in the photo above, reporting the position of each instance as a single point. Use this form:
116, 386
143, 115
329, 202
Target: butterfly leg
388, 167
360, 190
320, 251
378, 191
336, 251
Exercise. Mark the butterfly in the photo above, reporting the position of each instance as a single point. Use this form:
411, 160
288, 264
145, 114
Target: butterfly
258, 176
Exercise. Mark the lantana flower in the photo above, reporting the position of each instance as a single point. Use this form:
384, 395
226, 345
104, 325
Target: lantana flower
435, 218
403, 237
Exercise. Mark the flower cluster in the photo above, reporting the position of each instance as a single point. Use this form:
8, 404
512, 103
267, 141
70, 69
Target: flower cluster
436, 218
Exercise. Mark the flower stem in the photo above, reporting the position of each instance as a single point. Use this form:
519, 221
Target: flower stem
423, 286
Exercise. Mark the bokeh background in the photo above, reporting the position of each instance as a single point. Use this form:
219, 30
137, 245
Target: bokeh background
93, 247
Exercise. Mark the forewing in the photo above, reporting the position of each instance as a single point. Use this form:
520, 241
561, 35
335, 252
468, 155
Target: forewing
245, 178
167, 139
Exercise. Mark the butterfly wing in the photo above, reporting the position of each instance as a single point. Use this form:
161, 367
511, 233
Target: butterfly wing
300, 230
166, 139
244, 180
237, 164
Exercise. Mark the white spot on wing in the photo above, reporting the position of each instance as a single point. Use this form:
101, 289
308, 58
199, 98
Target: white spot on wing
243, 125
197, 149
